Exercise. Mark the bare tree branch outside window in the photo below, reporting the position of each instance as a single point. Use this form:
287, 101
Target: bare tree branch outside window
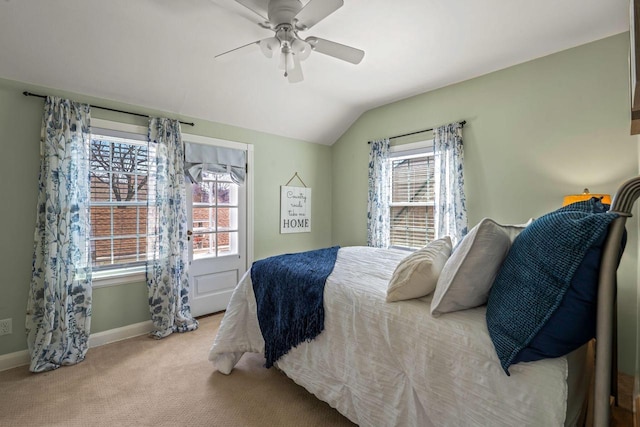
124, 165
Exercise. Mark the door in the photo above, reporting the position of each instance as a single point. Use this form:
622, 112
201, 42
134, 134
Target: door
218, 241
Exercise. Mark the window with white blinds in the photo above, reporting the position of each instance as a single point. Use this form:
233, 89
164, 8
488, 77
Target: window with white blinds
120, 174
412, 200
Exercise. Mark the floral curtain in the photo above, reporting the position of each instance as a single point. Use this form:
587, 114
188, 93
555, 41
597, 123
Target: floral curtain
450, 201
167, 271
59, 302
378, 222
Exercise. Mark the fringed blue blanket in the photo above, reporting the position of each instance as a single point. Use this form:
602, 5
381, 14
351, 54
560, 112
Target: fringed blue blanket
289, 293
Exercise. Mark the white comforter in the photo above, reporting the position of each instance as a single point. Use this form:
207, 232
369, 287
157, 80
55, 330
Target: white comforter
393, 364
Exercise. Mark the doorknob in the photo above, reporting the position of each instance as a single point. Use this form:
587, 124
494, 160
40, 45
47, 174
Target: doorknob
189, 234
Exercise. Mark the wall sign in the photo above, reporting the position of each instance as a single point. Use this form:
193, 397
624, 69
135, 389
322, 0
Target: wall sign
295, 209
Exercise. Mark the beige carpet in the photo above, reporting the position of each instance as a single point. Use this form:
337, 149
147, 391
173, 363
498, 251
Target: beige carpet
145, 382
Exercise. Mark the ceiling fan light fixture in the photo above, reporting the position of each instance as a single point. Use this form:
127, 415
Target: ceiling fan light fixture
268, 46
301, 49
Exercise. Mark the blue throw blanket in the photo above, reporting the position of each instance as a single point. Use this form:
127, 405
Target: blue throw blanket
289, 293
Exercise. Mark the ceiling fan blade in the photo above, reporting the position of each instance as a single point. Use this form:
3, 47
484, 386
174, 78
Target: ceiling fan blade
244, 49
315, 11
256, 6
295, 75
337, 50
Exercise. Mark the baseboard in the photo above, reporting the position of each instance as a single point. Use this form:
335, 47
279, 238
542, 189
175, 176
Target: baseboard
21, 358
13, 360
118, 334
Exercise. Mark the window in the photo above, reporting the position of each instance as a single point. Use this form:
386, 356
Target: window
215, 216
120, 178
412, 198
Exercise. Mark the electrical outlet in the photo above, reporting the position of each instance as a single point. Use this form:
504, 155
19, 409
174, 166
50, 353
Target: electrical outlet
5, 327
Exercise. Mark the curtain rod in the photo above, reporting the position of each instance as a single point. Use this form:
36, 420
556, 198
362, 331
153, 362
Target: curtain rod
25, 93
464, 122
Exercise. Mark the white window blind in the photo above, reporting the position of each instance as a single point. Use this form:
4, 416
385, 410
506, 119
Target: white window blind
412, 200
120, 175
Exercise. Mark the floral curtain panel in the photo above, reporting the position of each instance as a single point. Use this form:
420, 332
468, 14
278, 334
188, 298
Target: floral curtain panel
450, 201
59, 302
167, 272
378, 221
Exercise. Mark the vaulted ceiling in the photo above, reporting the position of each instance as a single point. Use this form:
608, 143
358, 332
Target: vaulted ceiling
160, 53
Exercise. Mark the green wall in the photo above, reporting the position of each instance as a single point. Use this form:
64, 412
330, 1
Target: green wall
534, 132
276, 160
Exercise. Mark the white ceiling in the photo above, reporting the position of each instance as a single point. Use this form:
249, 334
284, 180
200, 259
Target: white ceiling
160, 53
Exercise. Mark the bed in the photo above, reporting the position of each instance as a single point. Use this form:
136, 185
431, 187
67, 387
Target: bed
381, 363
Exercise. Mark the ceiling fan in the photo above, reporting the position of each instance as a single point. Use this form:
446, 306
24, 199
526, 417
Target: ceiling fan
286, 18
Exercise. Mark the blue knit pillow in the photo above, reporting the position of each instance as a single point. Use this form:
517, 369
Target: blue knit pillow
542, 303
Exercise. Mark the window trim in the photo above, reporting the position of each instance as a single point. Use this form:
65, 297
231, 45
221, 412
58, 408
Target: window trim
216, 229
419, 147
119, 127
119, 275
414, 149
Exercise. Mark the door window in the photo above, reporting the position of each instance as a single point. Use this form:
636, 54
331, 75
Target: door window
215, 216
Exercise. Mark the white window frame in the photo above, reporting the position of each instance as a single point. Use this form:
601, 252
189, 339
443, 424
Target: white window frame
121, 275
214, 206
411, 150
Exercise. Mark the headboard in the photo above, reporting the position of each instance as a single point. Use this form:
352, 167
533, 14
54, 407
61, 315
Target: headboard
606, 329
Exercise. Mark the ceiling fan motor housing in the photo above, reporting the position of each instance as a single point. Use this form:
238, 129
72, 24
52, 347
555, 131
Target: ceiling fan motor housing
283, 11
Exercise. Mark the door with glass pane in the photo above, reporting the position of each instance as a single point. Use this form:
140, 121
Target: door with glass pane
218, 241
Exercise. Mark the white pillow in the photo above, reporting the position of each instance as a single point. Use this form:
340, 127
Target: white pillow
467, 277
513, 230
416, 275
